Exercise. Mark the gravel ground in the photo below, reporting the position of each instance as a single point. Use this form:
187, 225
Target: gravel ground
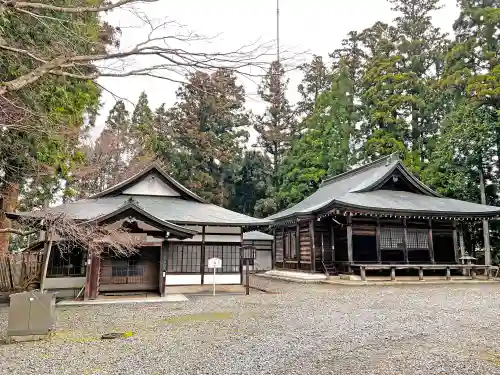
307, 329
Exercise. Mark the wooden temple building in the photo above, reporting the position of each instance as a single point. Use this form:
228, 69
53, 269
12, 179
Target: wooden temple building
375, 217
179, 232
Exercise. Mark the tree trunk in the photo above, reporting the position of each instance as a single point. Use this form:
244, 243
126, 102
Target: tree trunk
9, 197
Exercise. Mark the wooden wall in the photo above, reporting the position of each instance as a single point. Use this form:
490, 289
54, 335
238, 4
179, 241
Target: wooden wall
305, 243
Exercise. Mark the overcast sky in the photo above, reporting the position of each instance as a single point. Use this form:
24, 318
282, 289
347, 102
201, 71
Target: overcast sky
316, 26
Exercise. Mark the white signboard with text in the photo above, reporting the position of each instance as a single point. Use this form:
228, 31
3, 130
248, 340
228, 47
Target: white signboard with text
214, 263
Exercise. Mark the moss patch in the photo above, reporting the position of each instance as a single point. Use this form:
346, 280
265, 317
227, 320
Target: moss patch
197, 317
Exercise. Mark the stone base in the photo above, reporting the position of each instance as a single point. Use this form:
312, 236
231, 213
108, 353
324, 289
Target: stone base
350, 277
25, 338
301, 277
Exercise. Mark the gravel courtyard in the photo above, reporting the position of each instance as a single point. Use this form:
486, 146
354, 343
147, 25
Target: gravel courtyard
307, 329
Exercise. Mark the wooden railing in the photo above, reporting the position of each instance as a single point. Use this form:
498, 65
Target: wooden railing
421, 267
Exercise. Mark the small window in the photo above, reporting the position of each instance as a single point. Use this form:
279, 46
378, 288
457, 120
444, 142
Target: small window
391, 238
418, 238
66, 264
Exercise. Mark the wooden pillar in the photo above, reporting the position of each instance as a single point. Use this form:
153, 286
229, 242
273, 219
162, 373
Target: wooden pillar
94, 276
448, 273
88, 275
241, 263
49, 236
313, 246
377, 239
431, 245
350, 258
405, 241
363, 273
284, 246
297, 244
455, 242
462, 247
332, 239
163, 266
273, 250
202, 254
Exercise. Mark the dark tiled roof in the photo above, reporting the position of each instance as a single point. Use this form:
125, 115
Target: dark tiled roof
257, 236
172, 209
358, 189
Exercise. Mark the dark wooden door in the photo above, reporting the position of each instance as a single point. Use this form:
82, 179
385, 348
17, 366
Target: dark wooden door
140, 271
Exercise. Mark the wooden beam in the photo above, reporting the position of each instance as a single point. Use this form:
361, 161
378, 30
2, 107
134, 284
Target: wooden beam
431, 245
405, 241
313, 247
349, 240
377, 239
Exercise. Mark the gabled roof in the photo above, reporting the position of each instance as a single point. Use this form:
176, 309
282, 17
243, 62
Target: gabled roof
152, 170
360, 189
162, 198
257, 236
131, 209
172, 209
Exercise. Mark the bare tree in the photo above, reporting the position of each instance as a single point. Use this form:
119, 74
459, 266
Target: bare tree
167, 47
71, 234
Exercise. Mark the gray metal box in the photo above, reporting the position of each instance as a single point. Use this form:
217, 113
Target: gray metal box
31, 313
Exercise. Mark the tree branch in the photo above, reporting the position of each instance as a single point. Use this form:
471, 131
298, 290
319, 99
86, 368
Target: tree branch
25, 4
18, 231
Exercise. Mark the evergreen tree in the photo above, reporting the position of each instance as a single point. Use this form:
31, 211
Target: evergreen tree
277, 126
316, 80
325, 147
208, 123
401, 95
251, 182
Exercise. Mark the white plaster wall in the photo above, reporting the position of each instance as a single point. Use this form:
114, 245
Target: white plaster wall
233, 278
64, 282
263, 261
152, 186
193, 279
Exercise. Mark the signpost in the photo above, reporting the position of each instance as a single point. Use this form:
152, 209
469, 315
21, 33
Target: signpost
214, 263
247, 254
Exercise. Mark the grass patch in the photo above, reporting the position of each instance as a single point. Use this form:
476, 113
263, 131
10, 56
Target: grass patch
201, 317
493, 358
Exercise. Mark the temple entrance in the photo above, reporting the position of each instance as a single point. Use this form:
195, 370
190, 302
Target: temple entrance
138, 272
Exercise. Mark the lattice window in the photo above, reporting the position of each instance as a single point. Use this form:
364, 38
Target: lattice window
67, 263
184, 258
230, 255
391, 238
418, 238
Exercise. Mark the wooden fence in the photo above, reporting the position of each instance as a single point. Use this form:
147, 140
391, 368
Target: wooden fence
20, 271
